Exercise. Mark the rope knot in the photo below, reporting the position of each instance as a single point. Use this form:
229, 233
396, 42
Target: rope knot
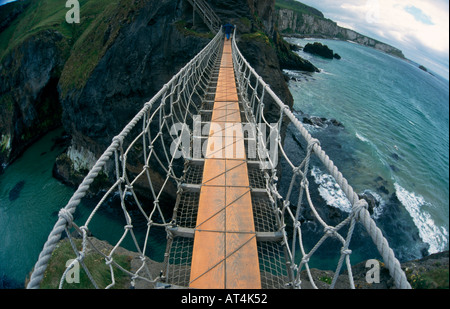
330, 230
118, 139
358, 207
304, 183
312, 142
346, 251
297, 170
66, 215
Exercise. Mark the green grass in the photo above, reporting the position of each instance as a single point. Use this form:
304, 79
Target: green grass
433, 279
94, 262
256, 36
38, 16
84, 44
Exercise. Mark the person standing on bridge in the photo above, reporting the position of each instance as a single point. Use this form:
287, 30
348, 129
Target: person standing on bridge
228, 28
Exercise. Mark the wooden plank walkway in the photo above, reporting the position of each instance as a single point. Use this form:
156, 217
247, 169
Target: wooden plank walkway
225, 254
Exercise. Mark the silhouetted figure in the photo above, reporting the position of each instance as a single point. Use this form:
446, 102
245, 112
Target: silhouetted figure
228, 28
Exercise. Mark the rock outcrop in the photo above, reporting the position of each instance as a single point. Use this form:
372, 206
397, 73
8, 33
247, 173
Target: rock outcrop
28, 97
321, 50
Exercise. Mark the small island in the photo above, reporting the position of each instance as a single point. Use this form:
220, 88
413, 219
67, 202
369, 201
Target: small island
321, 50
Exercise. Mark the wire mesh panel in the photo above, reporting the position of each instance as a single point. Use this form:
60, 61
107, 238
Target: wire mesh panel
272, 262
178, 261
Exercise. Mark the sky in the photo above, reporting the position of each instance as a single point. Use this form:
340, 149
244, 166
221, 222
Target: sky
420, 28
5, 1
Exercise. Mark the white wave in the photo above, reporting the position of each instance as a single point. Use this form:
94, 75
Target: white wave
325, 72
330, 191
435, 236
362, 138
312, 128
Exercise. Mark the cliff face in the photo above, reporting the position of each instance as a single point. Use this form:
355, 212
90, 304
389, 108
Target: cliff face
28, 97
291, 22
100, 72
145, 54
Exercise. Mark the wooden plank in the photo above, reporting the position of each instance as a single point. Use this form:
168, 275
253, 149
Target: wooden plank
225, 253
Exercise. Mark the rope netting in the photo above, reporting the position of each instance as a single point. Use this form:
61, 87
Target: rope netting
257, 94
140, 158
157, 155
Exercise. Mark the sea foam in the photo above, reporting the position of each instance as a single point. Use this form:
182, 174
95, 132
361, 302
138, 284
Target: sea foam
330, 191
435, 236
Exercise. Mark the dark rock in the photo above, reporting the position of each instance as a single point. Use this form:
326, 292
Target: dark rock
29, 100
395, 156
383, 189
336, 123
319, 49
15, 191
336, 56
393, 168
295, 47
321, 122
370, 199
430, 272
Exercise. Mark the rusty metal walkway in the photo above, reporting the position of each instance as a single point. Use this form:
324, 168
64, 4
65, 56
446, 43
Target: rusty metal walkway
225, 253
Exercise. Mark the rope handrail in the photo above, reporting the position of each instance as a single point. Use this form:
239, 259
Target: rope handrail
359, 206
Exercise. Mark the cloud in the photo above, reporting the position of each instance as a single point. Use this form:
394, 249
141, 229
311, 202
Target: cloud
419, 15
419, 28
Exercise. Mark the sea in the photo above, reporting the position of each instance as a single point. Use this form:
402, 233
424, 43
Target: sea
393, 142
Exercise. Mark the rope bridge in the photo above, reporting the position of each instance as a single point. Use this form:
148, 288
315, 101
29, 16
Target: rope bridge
158, 153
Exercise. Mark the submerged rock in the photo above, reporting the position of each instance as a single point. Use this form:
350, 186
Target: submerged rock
15, 192
321, 121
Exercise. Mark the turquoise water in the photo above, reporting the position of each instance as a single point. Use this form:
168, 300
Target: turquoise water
396, 120
30, 199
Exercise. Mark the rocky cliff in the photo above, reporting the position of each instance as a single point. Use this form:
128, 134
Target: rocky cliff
295, 21
93, 77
